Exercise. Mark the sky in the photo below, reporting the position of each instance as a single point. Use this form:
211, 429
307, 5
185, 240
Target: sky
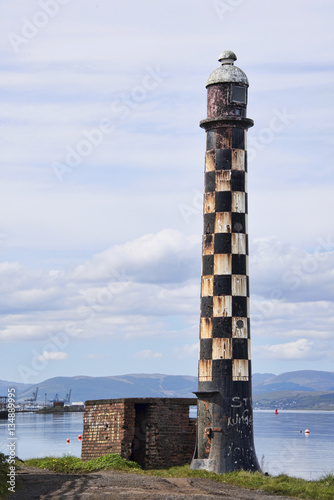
102, 162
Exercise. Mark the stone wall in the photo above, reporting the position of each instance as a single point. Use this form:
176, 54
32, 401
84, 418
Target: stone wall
154, 432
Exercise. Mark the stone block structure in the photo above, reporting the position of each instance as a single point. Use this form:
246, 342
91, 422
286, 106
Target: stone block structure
154, 432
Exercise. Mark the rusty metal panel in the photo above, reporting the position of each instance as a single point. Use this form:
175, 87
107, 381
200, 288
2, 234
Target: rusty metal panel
205, 370
210, 161
206, 328
238, 202
223, 180
238, 243
239, 285
221, 348
209, 203
240, 370
207, 286
249, 350
204, 443
222, 306
222, 263
239, 328
238, 159
208, 244
224, 138
223, 222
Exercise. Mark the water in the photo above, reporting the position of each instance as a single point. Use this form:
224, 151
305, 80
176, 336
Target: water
44, 435
277, 439
285, 448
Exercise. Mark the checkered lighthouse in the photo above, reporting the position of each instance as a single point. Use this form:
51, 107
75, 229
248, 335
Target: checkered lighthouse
225, 418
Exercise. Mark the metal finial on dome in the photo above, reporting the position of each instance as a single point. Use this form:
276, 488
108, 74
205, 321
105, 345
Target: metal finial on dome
227, 72
227, 57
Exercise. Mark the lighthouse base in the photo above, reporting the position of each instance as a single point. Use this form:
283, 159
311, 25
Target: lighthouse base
203, 464
214, 465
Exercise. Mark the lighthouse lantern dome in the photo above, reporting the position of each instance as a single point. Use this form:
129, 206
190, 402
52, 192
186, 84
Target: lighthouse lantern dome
227, 72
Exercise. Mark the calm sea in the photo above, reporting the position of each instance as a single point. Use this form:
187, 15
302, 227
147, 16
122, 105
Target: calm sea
281, 443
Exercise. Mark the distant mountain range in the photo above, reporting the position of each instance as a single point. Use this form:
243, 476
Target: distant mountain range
269, 390
302, 390
303, 380
123, 386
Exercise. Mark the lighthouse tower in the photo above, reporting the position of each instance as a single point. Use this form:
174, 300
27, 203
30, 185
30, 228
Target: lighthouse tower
225, 418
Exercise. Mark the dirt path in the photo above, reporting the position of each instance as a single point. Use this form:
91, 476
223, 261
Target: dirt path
45, 485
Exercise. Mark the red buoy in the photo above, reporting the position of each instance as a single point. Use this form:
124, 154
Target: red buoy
80, 437
276, 412
67, 441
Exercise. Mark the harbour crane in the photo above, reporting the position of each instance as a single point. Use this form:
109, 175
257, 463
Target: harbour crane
34, 397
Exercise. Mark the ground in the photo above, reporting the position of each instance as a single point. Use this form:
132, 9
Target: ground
44, 485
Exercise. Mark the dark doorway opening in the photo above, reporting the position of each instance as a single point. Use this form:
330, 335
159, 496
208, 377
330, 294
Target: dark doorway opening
139, 440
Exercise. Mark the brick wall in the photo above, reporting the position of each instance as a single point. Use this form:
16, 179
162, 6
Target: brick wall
103, 430
155, 432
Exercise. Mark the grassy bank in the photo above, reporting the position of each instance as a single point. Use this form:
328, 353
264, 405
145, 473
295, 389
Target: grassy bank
323, 489
4, 469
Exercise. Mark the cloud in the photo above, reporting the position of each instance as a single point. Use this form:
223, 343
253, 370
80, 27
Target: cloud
128, 291
52, 356
300, 349
94, 356
290, 273
147, 354
167, 256
135, 289
187, 351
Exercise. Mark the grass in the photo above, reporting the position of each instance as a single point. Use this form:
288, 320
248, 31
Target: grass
70, 465
4, 467
323, 489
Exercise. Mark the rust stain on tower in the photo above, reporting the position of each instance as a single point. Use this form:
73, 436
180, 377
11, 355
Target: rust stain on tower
224, 440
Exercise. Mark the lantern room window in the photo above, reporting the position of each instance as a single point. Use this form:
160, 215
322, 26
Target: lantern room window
239, 94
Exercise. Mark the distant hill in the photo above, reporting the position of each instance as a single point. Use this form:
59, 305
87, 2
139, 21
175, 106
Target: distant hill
259, 378
294, 400
268, 389
303, 380
5, 385
125, 386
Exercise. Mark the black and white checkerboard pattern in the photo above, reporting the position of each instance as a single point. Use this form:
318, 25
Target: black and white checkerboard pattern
225, 329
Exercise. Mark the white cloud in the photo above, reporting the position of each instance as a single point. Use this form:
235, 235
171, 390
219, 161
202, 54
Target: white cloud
283, 271
187, 351
39, 304
165, 256
52, 356
300, 349
147, 354
94, 356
